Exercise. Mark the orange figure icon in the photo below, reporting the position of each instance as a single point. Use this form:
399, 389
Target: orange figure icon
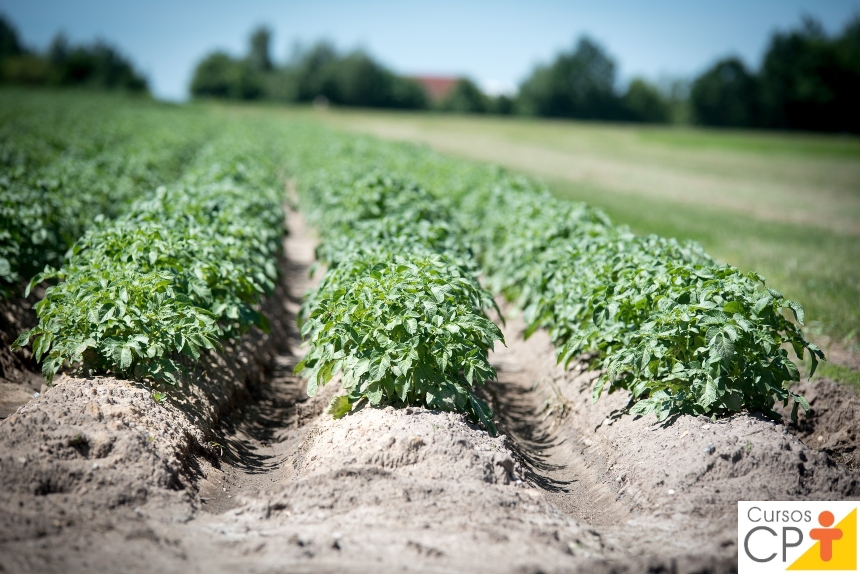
826, 535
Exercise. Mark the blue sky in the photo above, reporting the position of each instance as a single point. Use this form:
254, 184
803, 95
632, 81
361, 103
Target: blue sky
496, 43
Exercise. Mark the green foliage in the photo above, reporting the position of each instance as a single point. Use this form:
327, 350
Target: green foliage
810, 81
65, 167
725, 95
219, 75
353, 79
339, 406
807, 81
258, 57
399, 312
645, 103
465, 98
175, 275
10, 44
578, 84
666, 323
98, 65
663, 320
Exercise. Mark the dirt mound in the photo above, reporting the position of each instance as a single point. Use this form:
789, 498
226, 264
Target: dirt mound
81, 459
242, 472
833, 421
411, 489
667, 488
20, 376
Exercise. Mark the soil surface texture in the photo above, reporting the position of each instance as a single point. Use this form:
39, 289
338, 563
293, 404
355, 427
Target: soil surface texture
20, 376
240, 471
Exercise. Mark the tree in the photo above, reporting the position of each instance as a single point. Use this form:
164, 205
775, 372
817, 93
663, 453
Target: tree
808, 80
644, 103
58, 51
355, 79
258, 56
313, 72
579, 84
221, 76
725, 95
98, 65
502, 105
9, 43
408, 94
848, 84
465, 98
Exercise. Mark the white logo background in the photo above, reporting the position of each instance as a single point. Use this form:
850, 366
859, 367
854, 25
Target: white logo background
772, 534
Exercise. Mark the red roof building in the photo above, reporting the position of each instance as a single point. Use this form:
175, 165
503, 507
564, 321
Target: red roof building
437, 87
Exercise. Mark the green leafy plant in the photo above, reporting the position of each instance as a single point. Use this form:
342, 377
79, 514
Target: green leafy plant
678, 331
399, 312
71, 163
173, 276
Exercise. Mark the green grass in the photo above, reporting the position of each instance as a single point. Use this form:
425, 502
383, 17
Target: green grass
839, 373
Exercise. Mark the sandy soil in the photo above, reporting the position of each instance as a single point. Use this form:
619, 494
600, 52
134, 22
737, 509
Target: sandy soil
20, 376
246, 474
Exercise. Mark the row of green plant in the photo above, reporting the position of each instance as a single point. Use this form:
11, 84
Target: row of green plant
399, 312
179, 272
65, 166
661, 319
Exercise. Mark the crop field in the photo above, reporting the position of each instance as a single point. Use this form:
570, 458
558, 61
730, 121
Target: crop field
784, 205
248, 339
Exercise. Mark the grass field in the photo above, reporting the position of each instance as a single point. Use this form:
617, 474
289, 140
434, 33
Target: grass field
785, 205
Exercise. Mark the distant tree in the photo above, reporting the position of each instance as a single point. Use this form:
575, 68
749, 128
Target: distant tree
355, 79
358, 81
221, 76
408, 94
579, 84
17, 66
725, 95
26, 69
643, 102
311, 74
676, 92
280, 85
809, 81
98, 65
465, 98
258, 57
502, 105
58, 50
848, 84
313, 71
10, 45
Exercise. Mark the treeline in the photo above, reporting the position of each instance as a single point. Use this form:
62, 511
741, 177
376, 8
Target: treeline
352, 79
97, 65
807, 80
321, 73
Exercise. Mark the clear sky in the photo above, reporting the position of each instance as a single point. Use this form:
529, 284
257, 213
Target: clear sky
496, 43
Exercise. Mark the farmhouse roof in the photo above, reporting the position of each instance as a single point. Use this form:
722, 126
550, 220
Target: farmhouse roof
437, 87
